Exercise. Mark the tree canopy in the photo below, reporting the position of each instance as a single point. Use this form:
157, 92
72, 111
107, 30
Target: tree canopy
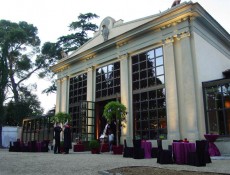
19, 45
51, 52
21, 57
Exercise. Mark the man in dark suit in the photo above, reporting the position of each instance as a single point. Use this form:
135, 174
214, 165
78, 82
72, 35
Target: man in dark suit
67, 138
57, 131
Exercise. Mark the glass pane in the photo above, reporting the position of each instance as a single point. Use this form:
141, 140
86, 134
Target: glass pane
143, 83
151, 63
98, 87
116, 73
150, 54
143, 74
227, 115
160, 79
104, 69
135, 76
159, 61
143, 66
221, 123
116, 65
152, 95
152, 104
135, 59
159, 52
142, 57
160, 70
161, 93
98, 79
135, 68
213, 122
152, 114
110, 75
110, 68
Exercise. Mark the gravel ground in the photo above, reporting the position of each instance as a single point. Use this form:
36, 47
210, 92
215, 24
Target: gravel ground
85, 163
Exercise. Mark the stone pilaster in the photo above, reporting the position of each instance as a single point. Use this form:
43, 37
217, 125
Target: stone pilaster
58, 96
187, 93
64, 94
127, 132
171, 90
90, 98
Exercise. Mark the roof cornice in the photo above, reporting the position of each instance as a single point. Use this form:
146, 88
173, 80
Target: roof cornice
167, 18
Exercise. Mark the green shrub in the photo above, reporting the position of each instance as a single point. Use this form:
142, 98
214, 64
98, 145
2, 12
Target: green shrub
93, 144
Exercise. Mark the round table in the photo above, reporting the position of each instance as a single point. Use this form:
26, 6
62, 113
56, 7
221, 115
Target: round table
213, 150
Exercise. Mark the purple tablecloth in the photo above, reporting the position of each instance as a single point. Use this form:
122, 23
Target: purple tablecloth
38, 146
180, 151
147, 147
213, 150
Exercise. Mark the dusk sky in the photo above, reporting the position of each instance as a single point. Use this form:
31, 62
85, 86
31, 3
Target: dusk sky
52, 18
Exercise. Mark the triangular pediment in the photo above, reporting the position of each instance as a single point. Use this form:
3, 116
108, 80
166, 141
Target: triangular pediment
110, 29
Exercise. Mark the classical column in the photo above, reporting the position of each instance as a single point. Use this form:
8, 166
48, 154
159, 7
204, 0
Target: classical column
90, 98
58, 96
90, 84
64, 94
187, 92
127, 131
171, 90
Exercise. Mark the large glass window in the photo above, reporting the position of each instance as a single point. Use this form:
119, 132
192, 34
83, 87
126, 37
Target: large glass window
217, 106
77, 93
149, 99
108, 80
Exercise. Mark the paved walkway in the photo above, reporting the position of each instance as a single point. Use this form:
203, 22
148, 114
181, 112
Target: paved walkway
85, 163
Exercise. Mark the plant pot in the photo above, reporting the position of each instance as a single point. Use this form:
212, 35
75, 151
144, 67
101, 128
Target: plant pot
118, 149
95, 151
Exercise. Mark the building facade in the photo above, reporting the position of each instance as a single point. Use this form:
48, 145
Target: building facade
170, 70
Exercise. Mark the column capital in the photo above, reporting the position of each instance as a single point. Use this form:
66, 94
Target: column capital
124, 56
59, 80
65, 78
90, 68
168, 41
183, 35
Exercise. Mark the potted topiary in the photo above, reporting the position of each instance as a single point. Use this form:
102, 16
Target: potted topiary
61, 117
115, 110
94, 145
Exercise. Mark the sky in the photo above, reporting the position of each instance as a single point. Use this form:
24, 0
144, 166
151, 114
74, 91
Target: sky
52, 18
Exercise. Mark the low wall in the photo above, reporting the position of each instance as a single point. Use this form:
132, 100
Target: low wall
223, 146
10, 134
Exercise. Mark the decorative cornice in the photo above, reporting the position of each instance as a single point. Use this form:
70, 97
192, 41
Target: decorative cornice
174, 23
120, 44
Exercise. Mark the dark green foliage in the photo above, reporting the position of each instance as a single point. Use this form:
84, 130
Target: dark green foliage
18, 44
115, 111
82, 27
93, 144
61, 117
51, 52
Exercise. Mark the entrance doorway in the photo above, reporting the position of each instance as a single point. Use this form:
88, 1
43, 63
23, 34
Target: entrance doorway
100, 120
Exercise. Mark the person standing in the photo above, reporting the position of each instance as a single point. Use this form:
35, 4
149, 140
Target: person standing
111, 140
57, 131
67, 138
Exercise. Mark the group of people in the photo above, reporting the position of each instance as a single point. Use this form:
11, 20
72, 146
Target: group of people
67, 138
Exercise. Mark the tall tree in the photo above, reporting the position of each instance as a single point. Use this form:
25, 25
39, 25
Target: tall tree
81, 27
19, 44
51, 52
